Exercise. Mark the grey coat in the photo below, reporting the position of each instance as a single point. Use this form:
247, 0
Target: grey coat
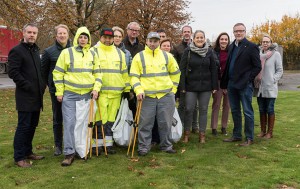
272, 72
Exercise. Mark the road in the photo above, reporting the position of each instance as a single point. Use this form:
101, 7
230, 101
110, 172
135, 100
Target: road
289, 82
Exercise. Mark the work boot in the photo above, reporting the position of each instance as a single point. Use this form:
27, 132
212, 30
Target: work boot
263, 124
202, 137
57, 151
110, 150
68, 160
271, 120
195, 130
214, 132
186, 136
223, 131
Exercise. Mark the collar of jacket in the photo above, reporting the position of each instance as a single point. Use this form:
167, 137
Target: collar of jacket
121, 46
153, 52
32, 47
244, 41
58, 45
185, 44
105, 47
126, 41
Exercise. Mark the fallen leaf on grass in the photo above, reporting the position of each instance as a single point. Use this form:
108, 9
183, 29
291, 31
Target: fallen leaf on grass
154, 166
152, 184
45, 129
182, 151
153, 160
141, 173
130, 168
134, 159
298, 146
242, 156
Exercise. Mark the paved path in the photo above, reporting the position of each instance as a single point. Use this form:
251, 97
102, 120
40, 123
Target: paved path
290, 81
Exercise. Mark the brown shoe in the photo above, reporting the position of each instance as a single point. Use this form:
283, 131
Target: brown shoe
35, 157
246, 143
68, 160
202, 137
186, 136
23, 164
232, 139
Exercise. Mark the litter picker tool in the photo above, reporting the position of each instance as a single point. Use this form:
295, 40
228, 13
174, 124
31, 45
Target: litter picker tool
102, 131
90, 129
134, 129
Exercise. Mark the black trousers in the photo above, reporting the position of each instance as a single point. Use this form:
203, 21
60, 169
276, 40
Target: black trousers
57, 121
27, 123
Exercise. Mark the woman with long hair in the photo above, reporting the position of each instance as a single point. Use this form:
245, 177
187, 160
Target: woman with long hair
221, 50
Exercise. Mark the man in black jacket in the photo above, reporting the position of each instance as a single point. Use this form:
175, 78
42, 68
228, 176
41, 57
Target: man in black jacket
243, 64
49, 59
131, 41
25, 70
177, 51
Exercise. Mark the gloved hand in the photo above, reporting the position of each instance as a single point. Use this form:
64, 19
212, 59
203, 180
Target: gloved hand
126, 95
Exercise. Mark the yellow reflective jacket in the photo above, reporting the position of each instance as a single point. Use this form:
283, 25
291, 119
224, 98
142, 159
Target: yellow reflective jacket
77, 69
154, 72
113, 67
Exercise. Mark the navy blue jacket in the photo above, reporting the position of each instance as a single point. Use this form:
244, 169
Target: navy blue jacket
49, 60
247, 65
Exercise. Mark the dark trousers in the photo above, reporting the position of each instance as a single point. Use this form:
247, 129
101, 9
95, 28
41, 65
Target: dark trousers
155, 133
57, 121
27, 123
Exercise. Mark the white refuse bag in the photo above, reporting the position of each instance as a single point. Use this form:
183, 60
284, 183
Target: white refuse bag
123, 124
81, 127
176, 130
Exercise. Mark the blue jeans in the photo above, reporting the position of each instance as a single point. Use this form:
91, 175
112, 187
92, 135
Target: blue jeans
266, 105
27, 123
236, 98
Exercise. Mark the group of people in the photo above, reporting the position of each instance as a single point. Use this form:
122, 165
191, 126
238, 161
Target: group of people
119, 66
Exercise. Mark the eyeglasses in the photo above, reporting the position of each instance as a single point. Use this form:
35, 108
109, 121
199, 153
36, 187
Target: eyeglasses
133, 30
117, 36
239, 31
265, 41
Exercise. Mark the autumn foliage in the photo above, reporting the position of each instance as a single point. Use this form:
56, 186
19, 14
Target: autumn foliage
287, 34
170, 15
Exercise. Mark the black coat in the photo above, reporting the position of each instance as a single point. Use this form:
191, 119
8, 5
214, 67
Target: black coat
49, 60
135, 48
198, 73
24, 67
178, 50
247, 65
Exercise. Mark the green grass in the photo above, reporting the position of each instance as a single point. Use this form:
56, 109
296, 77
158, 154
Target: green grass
270, 163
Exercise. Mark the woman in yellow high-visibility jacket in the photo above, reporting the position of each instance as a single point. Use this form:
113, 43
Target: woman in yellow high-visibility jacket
115, 82
77, 76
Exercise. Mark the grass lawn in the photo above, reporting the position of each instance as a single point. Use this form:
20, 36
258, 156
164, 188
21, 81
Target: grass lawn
270, 163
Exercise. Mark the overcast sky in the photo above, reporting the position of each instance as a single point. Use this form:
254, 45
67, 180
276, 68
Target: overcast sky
216, 16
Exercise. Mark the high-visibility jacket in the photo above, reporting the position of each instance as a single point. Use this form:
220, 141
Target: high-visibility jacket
113, 67
154, 72
77, 69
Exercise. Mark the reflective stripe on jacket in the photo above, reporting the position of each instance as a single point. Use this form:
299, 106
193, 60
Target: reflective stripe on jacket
155, 73
77, 69
113, 67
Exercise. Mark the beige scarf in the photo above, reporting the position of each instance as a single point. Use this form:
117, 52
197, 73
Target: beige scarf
263, 58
